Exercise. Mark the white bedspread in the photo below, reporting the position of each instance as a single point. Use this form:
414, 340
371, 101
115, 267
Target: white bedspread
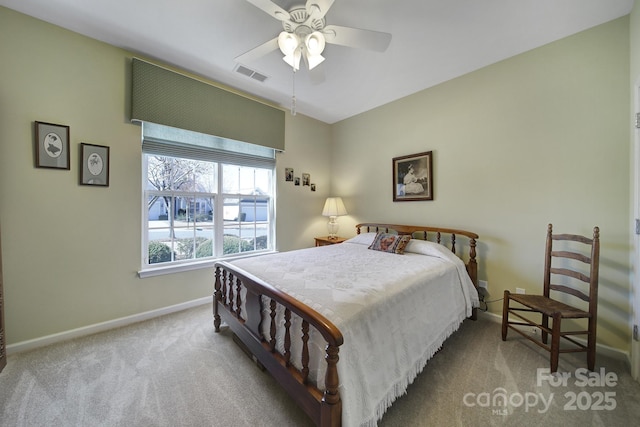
394, 312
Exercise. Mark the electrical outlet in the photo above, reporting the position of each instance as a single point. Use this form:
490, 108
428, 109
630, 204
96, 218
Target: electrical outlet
520, 291
483, 284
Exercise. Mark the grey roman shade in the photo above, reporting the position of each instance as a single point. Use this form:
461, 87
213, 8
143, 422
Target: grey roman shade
165, 97
162, 140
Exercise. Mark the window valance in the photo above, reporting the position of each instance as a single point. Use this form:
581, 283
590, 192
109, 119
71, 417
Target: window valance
168, 98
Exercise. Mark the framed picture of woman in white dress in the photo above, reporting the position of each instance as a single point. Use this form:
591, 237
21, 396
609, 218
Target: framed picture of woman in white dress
413, 177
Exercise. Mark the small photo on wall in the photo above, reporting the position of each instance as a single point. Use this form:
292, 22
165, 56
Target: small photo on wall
306, 179
296, 180
288, 174
94, 169
52, 146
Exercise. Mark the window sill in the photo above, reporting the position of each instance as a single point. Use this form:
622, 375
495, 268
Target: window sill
189, 266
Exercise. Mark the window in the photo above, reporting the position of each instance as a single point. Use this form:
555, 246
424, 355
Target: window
202, 202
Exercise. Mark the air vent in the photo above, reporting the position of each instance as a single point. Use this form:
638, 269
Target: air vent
251, 73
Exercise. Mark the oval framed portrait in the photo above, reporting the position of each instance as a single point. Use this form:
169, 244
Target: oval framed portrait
94, 168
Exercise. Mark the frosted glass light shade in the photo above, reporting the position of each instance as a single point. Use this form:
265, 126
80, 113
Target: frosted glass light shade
314, 61
293, 60
288, 42
315, 43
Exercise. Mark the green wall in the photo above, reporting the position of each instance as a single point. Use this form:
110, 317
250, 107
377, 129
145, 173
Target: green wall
71, 253
539, 138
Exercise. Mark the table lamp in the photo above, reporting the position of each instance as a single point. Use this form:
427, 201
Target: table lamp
333, 208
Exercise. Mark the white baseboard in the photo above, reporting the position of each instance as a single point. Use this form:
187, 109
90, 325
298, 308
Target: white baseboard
103, 326
614, 353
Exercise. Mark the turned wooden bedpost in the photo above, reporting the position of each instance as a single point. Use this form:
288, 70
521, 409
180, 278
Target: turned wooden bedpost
472, 268
238, 298
217, 298
473, 265
332, 404
272, 327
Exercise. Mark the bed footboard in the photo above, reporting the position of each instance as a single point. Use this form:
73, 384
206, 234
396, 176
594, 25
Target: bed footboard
239, 301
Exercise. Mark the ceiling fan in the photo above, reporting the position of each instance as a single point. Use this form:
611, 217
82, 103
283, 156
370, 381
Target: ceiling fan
305, 33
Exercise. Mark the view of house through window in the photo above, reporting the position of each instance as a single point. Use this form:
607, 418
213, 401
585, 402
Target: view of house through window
204, 209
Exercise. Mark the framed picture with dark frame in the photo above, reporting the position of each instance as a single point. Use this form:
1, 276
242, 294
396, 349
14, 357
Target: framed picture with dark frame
413, 177
94, 166
52, 146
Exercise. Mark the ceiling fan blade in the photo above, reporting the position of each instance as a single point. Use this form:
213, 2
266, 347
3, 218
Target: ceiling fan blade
272, 9
354, 37
318, 8
258, 52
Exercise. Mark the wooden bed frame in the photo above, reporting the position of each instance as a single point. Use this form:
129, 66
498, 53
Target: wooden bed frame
323, 406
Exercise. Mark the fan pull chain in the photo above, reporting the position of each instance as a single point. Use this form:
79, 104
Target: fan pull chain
293, 97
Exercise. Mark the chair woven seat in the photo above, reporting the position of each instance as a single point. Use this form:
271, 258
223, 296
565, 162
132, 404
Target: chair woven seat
549, 307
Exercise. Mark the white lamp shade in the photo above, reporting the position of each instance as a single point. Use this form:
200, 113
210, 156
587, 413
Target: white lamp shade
288, 42
293, 60
314, 43
314, 60
334, 206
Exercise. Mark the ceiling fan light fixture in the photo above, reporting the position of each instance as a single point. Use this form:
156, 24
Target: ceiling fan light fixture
314, 60
314, 43
293, 60
288, 42
305, 34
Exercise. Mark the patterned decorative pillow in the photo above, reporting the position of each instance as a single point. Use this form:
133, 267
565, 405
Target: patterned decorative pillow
392, 243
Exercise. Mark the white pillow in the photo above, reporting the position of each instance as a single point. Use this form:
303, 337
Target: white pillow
362, 239
425, 247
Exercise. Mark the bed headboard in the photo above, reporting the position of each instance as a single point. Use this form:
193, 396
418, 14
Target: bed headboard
437, 234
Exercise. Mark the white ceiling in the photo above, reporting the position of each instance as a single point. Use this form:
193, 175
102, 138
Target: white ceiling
433, 41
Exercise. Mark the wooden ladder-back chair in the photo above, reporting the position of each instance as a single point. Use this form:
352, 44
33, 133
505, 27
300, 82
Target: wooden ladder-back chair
567, 267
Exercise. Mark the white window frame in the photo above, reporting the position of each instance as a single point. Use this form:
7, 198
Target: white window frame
149, 270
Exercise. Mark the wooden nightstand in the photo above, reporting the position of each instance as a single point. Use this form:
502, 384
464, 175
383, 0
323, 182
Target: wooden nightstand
325, 240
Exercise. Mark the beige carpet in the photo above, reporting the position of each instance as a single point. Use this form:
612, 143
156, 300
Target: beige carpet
176, 371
